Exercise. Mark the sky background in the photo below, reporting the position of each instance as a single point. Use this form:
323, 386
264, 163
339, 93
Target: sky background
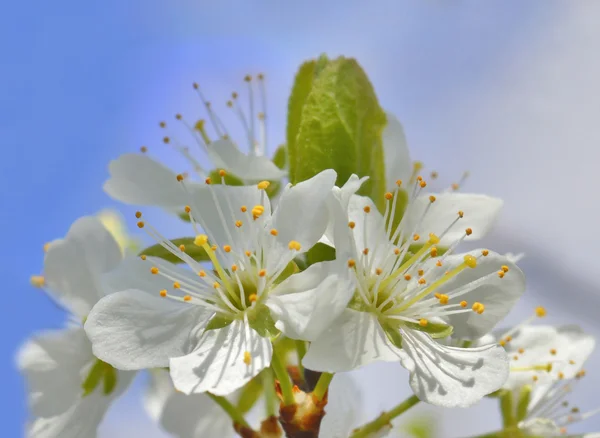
505, 89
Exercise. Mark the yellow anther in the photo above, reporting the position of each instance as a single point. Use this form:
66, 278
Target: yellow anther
262, 272
419, 178
187, 298
423, 322
535, 378
234, 268
420, 272
257, 211
367, 209
143, 256
396, 251
166, 140
378, 271
561, 375
176, 285
432, 199
248, 253
422, 280
201, 240
515, 357
540, 312
388, 196
365, 251
521, 350
227, 248
178, 116
222, 173
485, 252
470, 261
461, 214
399, 182
407, 277
351, 225
468, 231
444, 299
143, 149
243, 208
208, 180
274, 232
182, 248
572, 362
294, 245
37, 281
580, 374
179, 177
463, 304
138, 214
553, 351
140, 224
213, 247
154, 270
46, 246
416, 237
247, 358
187, 209
478, 307
238, 223
501, 274
423, 184
202, 274
438, 263
504, 268
248, 78
434, 175
502, 342
263, 185
433, 239
351, 263
216, 285
163, 293
508, 338
252, 298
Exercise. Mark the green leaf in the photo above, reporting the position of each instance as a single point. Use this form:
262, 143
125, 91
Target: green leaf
191, 249
335, 121
262, 322
217, 322
250, 394
391, 330
433, 329
320, 253
280, 157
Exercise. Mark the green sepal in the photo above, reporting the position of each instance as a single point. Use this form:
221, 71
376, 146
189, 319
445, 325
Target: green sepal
393, 334
262, 322
218, 322
94, 377
250, 393
191, 249
436, 330
291, 269
110, 380
280, 157
523, 403
320, 253
507, 409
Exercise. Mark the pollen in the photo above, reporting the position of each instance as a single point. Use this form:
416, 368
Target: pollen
365, 251
470, 261
479, 308
213, 247
485, 252
201, 240
367, 209
423, 184
176, 285
423, 322
208, 180
187, 209
561, 375
222, 173
535, 378
407, 277
187, 298
154, 270
227, 248
143, 256
434, 175
433, 252
351, 263
138, 214
378, 271
504, 268
521, 350
257, 211
274, 232
143, 149
432, 199
468, 231
179, 177
444, 299
396, 251
351, 225
461, 214
553, 351
238, 224
140, 224
388, 196
422, 280
540, 312
163, 293
416, 237
216, 285
234, 268
515, 357
166, 140
247, 358
37, 281
202, 274
46, 246
508, 338
263, 185
501, 274
243, 209
420, 272
294, 245
438, 263
262, 272
248, 253
463, 304
182, 248
399, 182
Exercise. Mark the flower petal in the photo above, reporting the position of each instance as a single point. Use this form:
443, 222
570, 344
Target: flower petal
184, 416
343, 408
540, 427
450, 376
498, 295
133, 330
225, 155
218, 365
139, 180
353, 340
480, 213
397, 158
73, 265
305, 304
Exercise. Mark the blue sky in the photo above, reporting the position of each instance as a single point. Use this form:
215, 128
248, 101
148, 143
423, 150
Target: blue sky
84, 82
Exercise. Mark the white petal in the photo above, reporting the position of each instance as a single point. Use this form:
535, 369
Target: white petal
301, 214
449, 376
343, 408
305, 304
139, 180
480, 213
397, 158
540, 427
217, 364
498, 295
225, 155
184, 416
133, 330
73, 266
353, 340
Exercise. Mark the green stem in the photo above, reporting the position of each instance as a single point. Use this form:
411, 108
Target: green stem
231, 410
507, 409
301, 350
270, 396
322, 385
285, 383
385, 418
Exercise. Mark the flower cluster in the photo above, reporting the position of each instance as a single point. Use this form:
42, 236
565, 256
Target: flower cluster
282, 289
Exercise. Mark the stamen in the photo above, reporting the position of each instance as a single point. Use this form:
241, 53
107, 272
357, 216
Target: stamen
37, 281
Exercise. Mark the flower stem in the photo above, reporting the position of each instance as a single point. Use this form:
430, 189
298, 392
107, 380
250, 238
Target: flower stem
385, 418
231, 410
322, 385
285, 382
270, 396
301, 350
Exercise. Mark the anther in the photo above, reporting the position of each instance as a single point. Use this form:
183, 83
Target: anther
208, 180
37, 281
540, 312
378, 271
399, 182
470, 261
176, 285
388, 196
461, 214
46, 246
234, 268
274, 232
468, 231
257, 211
216, 285
423, 184
222, 173
561, 375
227, 248
182, 248
479, 308
422, 280
463, 304
247, 358
396, 251
365, 251
243, 209
367, 209
351, 225
143, 256
420, 272
434, 175
535, 378
351, 263
432, 199
187, 298
213, 247
248, 253
504, 268
444, 299
154, 270
163, 293
252, 298
501, 274
438, 263
553, 351
140, 224
416, 237
263, 185
138, 214
262, 272
238, 223
521, 350
407, 277
202, 274
201, 240
143, 149
187, 209
423, 322
166, 140
293, 245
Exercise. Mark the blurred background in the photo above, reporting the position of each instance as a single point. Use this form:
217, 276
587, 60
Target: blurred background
507, 90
